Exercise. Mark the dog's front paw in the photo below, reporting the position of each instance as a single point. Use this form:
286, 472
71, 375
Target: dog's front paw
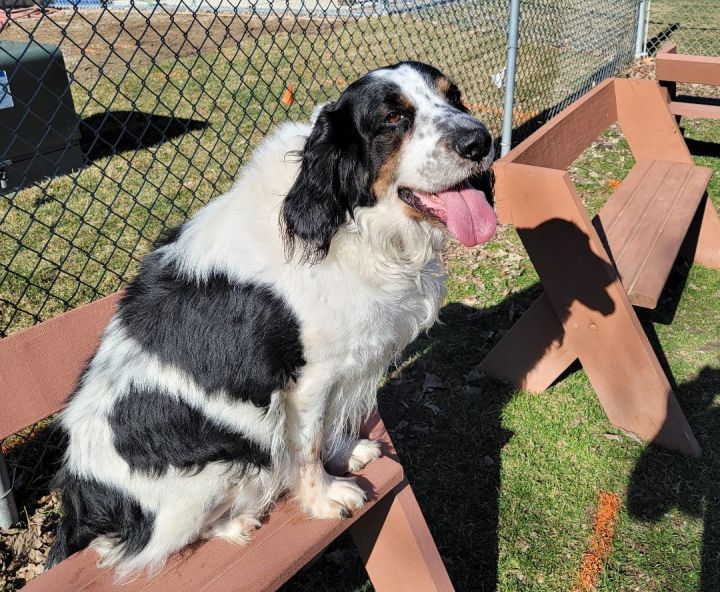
364, 452
355, 458
336, 498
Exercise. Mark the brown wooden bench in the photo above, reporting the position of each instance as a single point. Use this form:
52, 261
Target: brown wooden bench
672, 67
39, 367
593, 272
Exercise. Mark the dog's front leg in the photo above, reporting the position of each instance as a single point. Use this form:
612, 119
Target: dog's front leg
319, 494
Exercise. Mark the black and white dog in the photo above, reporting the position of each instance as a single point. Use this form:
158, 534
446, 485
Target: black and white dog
245, 356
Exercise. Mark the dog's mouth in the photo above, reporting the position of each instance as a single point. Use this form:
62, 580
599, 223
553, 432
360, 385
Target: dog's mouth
462, 209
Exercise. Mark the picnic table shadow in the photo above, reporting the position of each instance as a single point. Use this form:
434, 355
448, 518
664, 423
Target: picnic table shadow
663, 480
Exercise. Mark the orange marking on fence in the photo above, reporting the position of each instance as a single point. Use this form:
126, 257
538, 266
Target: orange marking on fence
600, 543
289, 95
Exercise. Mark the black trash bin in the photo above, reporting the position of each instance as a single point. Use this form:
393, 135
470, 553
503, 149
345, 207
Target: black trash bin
39, 135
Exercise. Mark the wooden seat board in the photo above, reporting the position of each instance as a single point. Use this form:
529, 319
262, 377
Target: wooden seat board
693, 69
40, 365
645, 221
634, 197
693, 109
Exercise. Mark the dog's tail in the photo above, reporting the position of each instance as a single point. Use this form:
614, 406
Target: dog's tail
64, 544
98, 514
77, 527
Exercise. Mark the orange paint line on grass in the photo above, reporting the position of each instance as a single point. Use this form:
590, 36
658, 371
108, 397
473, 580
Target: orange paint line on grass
600, 543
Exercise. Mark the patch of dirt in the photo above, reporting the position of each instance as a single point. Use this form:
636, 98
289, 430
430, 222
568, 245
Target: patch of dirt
108, 43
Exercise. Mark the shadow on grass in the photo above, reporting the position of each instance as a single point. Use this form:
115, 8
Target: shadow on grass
663, 480
703, 147
108, 133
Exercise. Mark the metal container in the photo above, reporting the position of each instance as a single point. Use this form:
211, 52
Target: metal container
39, 135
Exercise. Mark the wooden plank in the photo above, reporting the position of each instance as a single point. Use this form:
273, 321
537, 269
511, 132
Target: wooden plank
647, 123
287, 541
561, 140
397, 548
534, 352
693, 109
592, 305
630, 204
40, 365
694, 69
650, 257
707, 247
645, 221
667, 48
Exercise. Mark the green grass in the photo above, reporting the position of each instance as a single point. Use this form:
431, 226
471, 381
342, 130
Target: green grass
694, 25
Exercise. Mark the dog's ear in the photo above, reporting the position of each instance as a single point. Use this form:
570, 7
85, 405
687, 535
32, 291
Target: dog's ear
333, 181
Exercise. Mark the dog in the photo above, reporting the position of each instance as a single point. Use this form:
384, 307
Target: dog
245, 356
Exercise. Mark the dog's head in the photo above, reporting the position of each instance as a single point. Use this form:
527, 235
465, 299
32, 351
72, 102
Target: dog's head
400, 142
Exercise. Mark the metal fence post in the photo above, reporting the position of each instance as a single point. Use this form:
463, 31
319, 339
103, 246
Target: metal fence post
8, 509
513, 30
641, 29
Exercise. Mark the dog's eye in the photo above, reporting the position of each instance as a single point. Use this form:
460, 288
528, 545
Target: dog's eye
394, 117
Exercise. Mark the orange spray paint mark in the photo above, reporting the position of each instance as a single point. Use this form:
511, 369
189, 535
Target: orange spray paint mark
600, 543
289, 95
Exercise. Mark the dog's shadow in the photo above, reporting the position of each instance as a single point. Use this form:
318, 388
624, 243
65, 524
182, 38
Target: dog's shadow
445, 420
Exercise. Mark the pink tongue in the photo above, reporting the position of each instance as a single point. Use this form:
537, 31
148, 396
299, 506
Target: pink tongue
469, 215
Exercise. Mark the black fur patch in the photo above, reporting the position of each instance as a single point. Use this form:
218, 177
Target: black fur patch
92, 509
153, 431
234, 336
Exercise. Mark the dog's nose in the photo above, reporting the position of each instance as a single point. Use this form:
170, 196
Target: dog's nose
473, 144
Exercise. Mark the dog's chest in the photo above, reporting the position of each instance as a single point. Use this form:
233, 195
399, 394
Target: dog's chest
355, 324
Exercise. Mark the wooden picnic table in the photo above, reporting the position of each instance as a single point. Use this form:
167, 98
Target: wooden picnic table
594, 271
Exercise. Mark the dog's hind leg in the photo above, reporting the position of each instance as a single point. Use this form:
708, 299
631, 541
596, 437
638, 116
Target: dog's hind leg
239, 515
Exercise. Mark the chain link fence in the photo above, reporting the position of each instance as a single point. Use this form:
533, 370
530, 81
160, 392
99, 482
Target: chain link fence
694, 25
120, 118
165, 101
